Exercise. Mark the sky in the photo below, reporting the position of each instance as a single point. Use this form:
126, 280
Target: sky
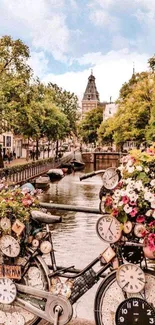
68, 38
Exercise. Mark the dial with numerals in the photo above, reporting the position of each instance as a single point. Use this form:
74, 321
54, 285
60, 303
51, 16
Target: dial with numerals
130, 278
19, 318
9, 246
132, 254
110, 178
135, 311
5, 223
109, 229
45, 247
7, 291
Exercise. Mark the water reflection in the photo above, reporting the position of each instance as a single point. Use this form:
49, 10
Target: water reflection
75, 239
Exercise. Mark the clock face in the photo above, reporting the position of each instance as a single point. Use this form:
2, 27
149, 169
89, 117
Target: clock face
9, 246
35, 243
127, 227
5, 223
130, 278
45, 247
109, 229
139, 229
110, 178
132, 254
19, 318
135, 311
7, 290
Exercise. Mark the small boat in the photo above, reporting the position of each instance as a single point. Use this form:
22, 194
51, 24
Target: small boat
67, 168
77, 165
55, 174
42, 182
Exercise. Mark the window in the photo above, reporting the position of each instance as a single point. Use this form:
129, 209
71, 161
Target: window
8, 141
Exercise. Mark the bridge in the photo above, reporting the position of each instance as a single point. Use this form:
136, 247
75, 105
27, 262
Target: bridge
94, 157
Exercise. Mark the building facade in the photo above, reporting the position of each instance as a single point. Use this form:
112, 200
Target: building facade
110, 110
91, 96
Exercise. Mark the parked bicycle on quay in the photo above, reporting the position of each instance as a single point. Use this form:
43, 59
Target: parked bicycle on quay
32, 290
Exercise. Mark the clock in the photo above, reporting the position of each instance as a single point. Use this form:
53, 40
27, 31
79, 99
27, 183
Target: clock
9, 246
10, 320
5, 224
130, 278
135, 311
109, 229
139, 229
19, 318
127, 227
132, 254
108, 254
35, 243
8, 291
45, 247
110, 178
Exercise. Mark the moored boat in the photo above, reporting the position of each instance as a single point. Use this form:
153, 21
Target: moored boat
77, 165
55, 174
42, 182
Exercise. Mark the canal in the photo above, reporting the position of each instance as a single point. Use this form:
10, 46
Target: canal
75, 239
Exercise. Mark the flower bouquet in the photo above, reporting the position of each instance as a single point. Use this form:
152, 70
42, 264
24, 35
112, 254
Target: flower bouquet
15, 218
132, 202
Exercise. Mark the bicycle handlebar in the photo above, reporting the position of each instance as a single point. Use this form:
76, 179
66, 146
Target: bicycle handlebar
88, 175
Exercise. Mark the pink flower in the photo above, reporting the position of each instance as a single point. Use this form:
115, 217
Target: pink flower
151, 241
125, 199
152, 223
133, 212
132, 203
115, 212
140, 219
108, 201
26, 202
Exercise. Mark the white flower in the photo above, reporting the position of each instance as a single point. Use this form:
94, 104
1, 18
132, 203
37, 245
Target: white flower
128, 180
130, 169
120, 203
129, 163
139, 185
127, 208
117, 193
153, 204
146, 169
148, 213
139, 168
148, 196
133, 196
152, 183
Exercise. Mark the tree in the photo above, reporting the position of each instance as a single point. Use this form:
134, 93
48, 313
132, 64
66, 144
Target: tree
89, 124
67, 103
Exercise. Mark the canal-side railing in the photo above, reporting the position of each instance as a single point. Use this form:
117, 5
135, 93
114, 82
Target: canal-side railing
19, 174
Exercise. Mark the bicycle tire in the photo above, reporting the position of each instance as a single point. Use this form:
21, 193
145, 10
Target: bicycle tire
10, 309
109, 295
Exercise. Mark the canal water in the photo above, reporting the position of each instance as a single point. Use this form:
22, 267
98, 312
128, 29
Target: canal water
75, 239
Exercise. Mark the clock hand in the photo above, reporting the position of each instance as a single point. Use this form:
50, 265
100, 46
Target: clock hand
113, 175
125, 285
109, 226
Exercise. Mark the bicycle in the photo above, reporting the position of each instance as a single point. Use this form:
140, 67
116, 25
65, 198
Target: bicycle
40, 291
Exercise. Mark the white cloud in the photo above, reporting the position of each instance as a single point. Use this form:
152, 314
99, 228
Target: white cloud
44, 23
39, 63
102, 18
111, 71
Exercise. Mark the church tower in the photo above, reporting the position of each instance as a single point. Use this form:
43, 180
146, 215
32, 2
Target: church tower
91, 95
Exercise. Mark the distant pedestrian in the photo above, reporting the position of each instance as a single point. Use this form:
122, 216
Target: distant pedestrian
14, 155
8, 156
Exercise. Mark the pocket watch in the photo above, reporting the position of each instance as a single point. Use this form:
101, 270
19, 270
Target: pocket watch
109, 229
8, 291
130, 278
110, 178
45, 247
5, 223
139, 229
127, 227
9, 246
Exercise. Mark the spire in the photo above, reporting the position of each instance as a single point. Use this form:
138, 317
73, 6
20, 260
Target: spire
91, 92
133, 68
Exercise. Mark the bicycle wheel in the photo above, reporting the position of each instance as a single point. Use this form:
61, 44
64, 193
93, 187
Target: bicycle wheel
36, 276
110, 295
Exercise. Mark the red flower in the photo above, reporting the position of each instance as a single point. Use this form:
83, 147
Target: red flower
108, 201
115, 212
125, 199
140, 219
